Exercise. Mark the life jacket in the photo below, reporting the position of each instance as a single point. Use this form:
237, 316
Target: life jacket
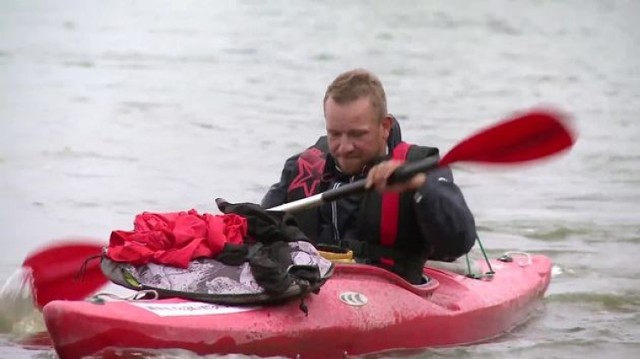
387, 233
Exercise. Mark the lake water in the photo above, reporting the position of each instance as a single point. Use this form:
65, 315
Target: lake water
108, 109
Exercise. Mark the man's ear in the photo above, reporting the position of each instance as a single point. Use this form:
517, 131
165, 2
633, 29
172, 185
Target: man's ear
387, 123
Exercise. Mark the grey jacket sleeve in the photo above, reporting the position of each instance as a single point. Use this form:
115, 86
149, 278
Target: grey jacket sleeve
277, 193
444, 218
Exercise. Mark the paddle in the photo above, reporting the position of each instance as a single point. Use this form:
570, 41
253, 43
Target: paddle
57, 274
529, 136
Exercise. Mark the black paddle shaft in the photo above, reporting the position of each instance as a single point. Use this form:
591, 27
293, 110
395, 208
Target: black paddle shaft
401, 174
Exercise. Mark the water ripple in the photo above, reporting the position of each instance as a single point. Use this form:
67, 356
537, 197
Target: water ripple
68, 153
628, 302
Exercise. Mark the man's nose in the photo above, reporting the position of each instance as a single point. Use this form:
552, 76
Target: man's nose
345, 145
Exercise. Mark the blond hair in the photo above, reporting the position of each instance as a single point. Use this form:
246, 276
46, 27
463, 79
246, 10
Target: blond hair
355, 84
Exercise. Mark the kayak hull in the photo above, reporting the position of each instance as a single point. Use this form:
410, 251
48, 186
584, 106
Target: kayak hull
360, 310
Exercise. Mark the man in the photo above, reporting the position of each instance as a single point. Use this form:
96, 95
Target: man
396, 226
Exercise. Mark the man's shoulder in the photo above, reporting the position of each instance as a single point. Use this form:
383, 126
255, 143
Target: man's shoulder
421, 151
321, 144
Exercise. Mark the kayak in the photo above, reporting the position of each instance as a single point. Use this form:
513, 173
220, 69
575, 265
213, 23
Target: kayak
360, 310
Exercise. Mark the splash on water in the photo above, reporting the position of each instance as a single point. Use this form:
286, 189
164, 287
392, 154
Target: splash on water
18, 315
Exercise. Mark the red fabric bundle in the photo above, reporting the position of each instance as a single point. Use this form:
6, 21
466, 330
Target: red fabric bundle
175, 238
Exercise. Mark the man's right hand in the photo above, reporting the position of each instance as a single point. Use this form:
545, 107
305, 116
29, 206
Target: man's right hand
379, 175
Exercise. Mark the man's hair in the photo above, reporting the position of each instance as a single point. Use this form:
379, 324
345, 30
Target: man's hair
355, 84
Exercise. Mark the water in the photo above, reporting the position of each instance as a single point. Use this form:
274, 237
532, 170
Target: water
107, 110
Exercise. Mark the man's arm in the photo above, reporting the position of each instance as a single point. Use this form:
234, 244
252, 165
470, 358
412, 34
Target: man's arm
277, 193
444, 217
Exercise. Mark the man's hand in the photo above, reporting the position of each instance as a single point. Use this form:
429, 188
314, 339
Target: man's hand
380, 173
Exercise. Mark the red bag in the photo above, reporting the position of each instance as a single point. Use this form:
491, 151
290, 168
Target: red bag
175, 238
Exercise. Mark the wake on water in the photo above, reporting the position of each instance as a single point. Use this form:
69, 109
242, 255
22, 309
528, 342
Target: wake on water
19, 317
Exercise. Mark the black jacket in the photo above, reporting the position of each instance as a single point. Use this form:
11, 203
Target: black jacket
437, 212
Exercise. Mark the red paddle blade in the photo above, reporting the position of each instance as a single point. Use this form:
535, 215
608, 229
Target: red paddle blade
62, 272
534, 135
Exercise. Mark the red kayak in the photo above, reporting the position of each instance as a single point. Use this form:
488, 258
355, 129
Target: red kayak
360, 310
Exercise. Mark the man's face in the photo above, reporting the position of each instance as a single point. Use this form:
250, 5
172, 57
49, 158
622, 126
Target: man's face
355, 133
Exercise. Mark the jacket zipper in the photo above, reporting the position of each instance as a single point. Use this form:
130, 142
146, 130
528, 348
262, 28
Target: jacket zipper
334, 218
334, 214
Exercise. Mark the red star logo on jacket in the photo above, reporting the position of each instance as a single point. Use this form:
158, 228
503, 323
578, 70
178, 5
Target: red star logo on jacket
310, 168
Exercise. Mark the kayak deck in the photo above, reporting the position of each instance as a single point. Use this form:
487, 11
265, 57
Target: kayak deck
361, 309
